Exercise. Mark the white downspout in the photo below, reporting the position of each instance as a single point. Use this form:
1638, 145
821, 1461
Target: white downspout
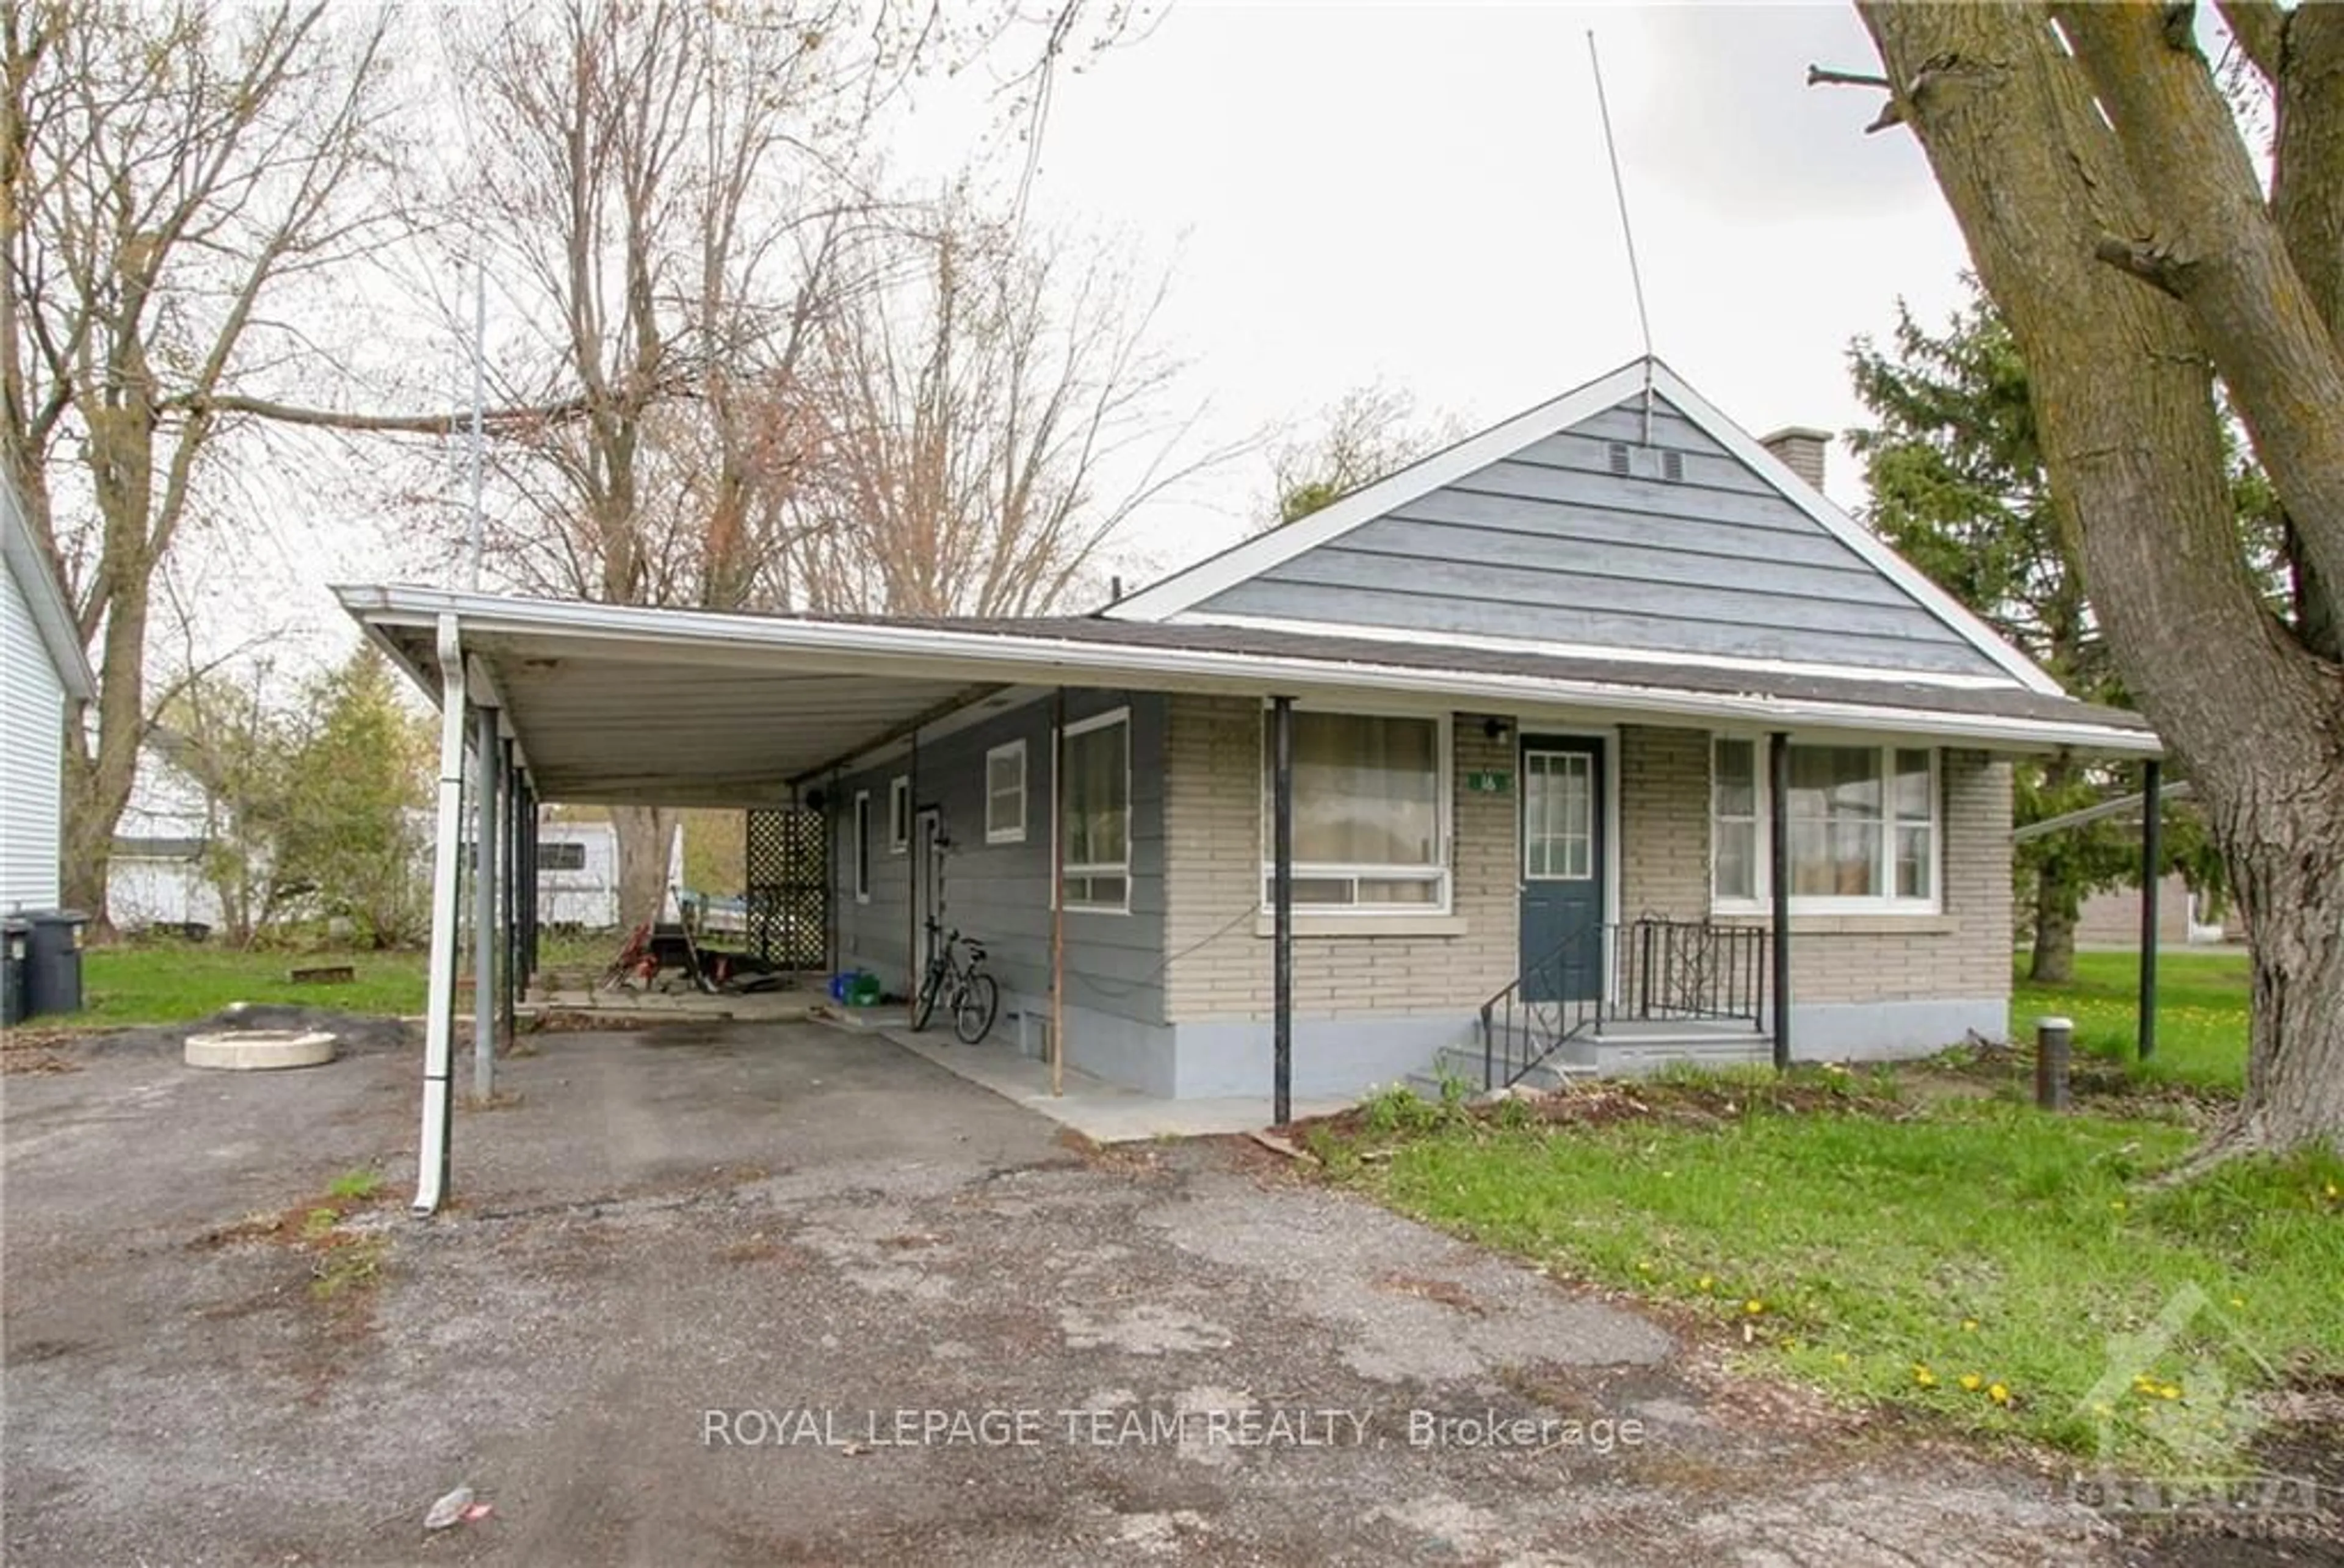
440, 1022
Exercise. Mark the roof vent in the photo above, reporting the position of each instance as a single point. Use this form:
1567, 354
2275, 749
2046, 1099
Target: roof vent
1619, 455
1673, 467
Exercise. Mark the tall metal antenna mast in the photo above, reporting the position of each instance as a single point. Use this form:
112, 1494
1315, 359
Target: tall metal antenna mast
1627, 230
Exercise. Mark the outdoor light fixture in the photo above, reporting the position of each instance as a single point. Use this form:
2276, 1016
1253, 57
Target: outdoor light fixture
1496, 729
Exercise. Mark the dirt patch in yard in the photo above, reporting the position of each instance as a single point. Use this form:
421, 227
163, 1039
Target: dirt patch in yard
1689, 1104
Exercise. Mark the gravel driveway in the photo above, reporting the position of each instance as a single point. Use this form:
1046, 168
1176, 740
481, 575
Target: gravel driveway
763, 1294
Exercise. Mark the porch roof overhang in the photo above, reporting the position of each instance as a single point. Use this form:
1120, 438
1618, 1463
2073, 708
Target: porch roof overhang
624, 704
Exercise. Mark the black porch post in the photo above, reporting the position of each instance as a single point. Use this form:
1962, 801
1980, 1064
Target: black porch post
2152, 855
1778, 859
1281, 839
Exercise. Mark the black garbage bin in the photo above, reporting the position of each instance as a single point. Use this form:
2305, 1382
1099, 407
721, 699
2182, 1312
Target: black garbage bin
53, 961
16, 950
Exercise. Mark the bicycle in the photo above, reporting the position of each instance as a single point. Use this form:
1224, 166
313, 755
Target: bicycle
970, 994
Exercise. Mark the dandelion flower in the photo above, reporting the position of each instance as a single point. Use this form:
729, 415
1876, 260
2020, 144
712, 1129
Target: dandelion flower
2169, 1391
1971, 1382
1703, 1283
1753, 1306
1925, 1377
1969, 1325
1998, 1394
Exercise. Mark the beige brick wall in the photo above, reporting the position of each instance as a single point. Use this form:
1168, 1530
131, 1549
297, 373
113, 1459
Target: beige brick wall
1963, 952
1220, 964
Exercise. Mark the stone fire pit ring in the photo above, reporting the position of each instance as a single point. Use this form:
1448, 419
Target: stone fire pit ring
259, 1050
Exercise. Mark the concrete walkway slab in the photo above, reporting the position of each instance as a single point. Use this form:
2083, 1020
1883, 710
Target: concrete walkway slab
1099, 1110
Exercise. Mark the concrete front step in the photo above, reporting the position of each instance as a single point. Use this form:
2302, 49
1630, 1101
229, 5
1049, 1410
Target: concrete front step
1546, 1077
1613, 1055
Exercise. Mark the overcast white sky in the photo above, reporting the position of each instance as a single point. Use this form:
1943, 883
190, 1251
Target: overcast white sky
1418, 194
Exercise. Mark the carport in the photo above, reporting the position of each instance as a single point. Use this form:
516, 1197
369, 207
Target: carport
565, 702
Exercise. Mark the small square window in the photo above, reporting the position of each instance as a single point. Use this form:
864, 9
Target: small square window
1004, 794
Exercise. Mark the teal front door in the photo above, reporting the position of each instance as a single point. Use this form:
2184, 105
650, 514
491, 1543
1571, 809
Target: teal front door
1562, 868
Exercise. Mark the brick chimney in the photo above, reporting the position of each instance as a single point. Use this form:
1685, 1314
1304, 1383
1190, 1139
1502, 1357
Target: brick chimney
1802, 449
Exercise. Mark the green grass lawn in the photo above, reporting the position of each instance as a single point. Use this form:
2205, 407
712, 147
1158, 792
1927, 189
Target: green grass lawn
2201, 1012
173, 983
1969, 1257
1924, 1238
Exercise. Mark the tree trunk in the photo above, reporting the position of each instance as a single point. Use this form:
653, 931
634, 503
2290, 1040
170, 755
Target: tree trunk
2283, 851
644, 834
97, 783
2132, 438
2057, 905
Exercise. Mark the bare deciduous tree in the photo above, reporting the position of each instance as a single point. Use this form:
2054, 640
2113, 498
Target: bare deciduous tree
991, 413
653, 188
164, 173
2115, 213
1368, 432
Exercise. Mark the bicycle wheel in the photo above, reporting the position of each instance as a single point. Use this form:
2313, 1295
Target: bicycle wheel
973, 1007
924, 1006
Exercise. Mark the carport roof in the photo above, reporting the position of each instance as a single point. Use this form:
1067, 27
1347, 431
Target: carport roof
620, 702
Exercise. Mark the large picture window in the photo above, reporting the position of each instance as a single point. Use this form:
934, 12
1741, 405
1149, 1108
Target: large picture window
1370, 813
1094, 855
1862, 825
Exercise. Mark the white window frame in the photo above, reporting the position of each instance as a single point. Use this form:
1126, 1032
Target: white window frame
1014, 833
1831, 903
860, 826
899, 815
1058, 845
1442, 872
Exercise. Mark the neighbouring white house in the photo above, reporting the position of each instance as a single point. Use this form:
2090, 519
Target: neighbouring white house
156, 877
578, 876
44, 680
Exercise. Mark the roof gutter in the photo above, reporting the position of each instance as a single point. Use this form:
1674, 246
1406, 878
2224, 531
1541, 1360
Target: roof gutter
1021, 660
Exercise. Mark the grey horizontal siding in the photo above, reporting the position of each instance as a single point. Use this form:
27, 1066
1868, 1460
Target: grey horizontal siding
1399, 606
1638, 562
1551, 545
1000, 892
1567, 589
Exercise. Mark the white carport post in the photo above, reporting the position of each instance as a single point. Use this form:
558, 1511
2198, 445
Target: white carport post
447, 870
488, 755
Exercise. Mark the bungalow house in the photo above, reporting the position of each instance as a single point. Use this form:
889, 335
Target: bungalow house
44, 678
1603, 730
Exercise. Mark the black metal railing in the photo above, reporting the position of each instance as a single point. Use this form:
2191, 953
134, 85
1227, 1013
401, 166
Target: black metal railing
1649, 969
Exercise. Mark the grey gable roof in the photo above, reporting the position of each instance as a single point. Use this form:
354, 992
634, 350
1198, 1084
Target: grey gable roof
1553, 544
1628, 513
